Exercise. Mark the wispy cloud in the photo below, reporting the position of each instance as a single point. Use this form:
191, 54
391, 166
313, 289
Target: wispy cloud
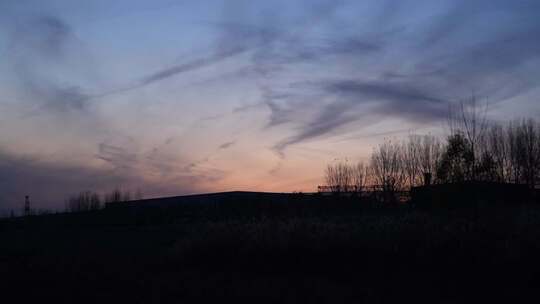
118, 157
49, 66
189, 66
226, 145
442, 65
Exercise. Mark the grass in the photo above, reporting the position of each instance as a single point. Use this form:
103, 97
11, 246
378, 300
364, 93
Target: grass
327, 256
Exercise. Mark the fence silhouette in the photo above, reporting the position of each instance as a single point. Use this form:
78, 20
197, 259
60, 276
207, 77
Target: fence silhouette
377, 192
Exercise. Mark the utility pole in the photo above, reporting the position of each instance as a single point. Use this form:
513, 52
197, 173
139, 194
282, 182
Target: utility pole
27, 205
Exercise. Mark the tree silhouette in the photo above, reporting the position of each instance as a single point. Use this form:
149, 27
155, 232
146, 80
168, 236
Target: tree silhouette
84, 201
338, 177
360, 174
386, 167
457, 161
469, 120
475, 150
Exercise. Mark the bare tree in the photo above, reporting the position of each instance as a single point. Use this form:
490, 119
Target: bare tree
84, 201
359, 177
338, 177
469, 119
456, 161
331, 178
410, 160
115, 196
498, 144
527, 141
430, 157
513, 139
95, 201
386, 166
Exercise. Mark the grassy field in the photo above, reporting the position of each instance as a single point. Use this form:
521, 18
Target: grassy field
338, 252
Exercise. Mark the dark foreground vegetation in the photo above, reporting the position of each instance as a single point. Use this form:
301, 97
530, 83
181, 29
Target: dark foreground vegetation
323, 250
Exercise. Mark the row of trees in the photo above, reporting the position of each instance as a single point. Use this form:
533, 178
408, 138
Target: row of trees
474, 150
394, 166
343, 177
508, 153
403, 164
88, 200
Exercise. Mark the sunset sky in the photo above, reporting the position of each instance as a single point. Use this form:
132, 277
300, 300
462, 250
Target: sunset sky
177, 97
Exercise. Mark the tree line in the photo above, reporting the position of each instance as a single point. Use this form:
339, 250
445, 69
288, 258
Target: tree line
89, 200
474, 150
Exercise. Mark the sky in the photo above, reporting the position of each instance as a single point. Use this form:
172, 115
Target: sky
179, 97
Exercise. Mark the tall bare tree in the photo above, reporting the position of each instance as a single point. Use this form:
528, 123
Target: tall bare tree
498, 144
410, 160
84, 201
469, 118
456, 161
386, 166
528, 151
430, 157
339, 177
513, 139
117, 195
359, 177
